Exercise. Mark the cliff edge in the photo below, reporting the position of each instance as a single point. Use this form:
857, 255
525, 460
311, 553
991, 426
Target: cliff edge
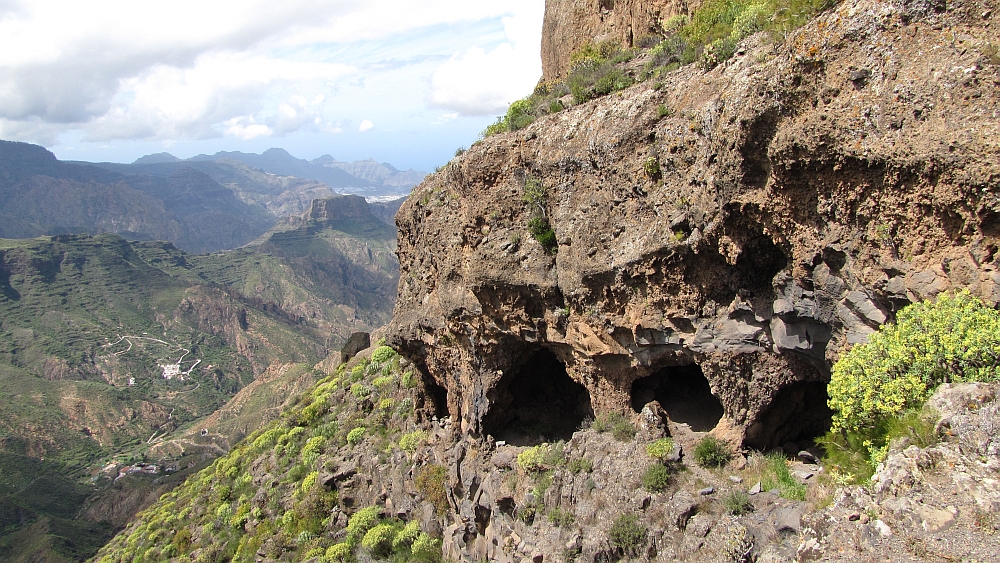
724, 233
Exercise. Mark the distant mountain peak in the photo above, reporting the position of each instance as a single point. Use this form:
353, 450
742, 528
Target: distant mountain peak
158, 158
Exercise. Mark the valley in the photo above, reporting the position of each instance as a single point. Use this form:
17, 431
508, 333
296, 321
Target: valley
116, 352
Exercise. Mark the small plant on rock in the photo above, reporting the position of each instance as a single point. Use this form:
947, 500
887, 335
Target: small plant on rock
580, 465
430, 481
356, 435
411, 441
652, 168
627, 533
712, 452
561, 518
656, 478
617, 423
660, 449
737, 502
530, 460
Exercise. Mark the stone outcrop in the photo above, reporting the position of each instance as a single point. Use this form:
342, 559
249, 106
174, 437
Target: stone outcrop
571, 24
724, 232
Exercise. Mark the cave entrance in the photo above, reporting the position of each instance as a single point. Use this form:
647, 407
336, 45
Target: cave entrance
433, 402
537, 403
683, 392
798, 414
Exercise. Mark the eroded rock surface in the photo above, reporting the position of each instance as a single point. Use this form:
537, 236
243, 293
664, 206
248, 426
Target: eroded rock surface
802, 192
571, 24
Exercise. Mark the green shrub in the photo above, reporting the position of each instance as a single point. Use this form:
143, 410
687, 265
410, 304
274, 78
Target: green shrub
561, 518
383, 354
378, 540
627, 533
411, 441
314, 445
777, 476
660, 449
623, 430
405, 538
656, 478
430, 481
358, 373
339, 552
954, 338
531, 459
356, 435
712, 452
409, 380
382, 382
580, 465
737, 502
359, 524
652, 168
308, 482
426, 549
615, 422
360, 390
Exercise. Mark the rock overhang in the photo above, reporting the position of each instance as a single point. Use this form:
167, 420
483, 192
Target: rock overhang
782, 229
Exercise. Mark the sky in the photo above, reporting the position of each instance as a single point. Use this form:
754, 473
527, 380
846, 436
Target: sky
402, 81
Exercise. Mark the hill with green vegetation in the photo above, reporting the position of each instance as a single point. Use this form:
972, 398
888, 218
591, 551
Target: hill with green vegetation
284, 493
113, 352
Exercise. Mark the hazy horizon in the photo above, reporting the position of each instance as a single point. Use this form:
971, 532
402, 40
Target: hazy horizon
398, 82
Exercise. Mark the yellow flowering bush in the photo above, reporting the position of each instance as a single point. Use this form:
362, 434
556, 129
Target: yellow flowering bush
954, 338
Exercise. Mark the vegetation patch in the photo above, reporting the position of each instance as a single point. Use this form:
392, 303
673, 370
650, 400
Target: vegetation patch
877, 390
225, 513
660, 449
656, 478
627, 534
617, 423
737, 502
712, 452
430, 482
538, 223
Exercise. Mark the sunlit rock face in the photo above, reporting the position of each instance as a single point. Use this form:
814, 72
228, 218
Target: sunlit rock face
805, 192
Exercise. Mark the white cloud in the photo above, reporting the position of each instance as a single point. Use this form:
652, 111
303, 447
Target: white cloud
366, 125
189, 69
246, 128
478, 82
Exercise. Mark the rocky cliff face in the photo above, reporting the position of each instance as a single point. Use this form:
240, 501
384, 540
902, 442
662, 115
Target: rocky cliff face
571, 24
721, 235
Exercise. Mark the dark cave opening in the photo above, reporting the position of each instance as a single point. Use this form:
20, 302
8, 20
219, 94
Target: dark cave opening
683, 392
435, 398
537, 402
798, 414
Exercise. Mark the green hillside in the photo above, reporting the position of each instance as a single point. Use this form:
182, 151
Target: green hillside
91, 326
279, 493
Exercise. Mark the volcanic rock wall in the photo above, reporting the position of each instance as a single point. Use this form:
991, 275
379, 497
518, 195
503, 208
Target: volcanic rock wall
730, 230
571, 24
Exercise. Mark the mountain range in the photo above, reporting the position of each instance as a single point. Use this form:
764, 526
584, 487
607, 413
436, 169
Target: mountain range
204, 204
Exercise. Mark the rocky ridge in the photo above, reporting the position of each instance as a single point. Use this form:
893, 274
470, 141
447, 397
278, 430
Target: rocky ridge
731, 229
